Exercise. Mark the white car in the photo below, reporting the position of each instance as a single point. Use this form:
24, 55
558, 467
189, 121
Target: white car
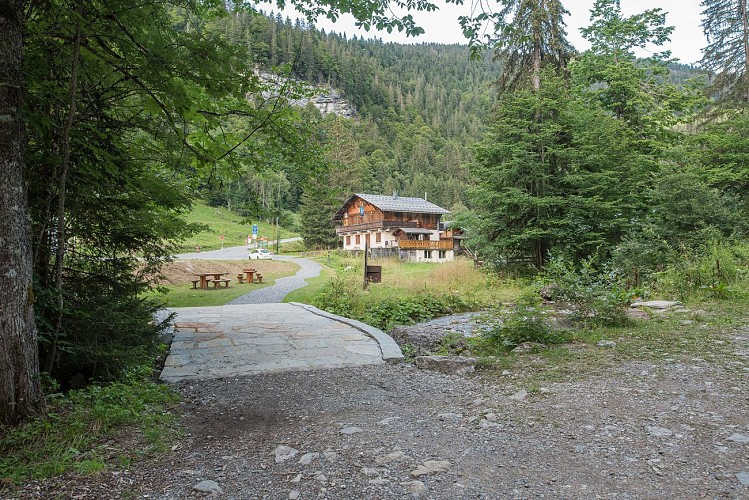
260, 253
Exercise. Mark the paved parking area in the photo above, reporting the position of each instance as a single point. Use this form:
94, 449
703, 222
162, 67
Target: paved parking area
237, 340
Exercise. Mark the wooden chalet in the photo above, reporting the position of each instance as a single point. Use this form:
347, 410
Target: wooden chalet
407, 227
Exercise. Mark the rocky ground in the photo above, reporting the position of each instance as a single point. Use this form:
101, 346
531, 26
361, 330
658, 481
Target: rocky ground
675, 427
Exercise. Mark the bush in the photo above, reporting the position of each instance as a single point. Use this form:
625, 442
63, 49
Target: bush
599, 296
717, 272
526, 322
345, 298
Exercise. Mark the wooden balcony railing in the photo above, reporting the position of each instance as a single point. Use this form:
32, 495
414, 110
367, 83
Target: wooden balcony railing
373, 225
425, 245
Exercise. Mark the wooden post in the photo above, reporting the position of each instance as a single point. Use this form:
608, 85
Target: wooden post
366, 248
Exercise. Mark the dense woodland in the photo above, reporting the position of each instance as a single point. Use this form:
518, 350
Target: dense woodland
417, 106
117, 115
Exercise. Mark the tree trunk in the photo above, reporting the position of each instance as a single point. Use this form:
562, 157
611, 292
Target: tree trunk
20, 392
62, 188
537, 66
745, 27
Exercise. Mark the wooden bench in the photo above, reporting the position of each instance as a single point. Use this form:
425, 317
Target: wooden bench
195, 283
240, 278
259, 277
216, 283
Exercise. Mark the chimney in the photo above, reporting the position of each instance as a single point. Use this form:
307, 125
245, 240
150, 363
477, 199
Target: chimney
395, 194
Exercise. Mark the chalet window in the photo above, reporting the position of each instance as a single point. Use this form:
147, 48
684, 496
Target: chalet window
378, 237
348, 240
358, 239
442, 254
427, 254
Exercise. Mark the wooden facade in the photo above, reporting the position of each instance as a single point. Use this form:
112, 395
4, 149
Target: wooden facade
410, 227
361, 215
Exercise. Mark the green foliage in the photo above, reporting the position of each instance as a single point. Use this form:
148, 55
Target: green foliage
342, 297
599, 296
524, 34
718, 271
636, 91
684, 215
72, 432
722, 150
318, 205
386, 314
527, 321
725, 26
552, 174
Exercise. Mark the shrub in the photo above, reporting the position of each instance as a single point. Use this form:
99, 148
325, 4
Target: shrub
345, 298
717, 272
599, 296
526, 322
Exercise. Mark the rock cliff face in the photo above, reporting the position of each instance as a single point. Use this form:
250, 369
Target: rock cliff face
330, 101
325, 99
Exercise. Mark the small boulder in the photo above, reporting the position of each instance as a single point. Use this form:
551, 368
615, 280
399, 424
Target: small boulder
451, 365
656, 304
307, 458
350, 430
549, 292
417, 489
661, 432
284, 453
431, 467
527, 347
396, 456
208, 486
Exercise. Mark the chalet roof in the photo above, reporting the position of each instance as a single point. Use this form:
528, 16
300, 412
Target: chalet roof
395, 204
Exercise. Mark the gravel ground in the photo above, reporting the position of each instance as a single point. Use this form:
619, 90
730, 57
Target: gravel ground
671, 428
283, 286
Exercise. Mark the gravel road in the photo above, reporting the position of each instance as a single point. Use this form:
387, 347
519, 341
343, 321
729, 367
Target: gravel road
283, 286
666, 428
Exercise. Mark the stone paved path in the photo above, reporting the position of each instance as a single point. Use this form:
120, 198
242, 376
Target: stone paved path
282, 286
237, 340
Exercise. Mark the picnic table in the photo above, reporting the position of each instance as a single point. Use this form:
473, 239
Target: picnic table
249, 272
216, 279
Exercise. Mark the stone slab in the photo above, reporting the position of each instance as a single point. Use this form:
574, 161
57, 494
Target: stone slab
256, 338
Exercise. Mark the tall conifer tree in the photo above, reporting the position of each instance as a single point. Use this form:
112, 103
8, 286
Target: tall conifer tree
727, 54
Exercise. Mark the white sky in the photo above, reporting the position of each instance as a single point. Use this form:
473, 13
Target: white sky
442, 26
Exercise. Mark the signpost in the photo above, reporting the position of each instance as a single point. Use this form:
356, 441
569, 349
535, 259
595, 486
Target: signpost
222, 241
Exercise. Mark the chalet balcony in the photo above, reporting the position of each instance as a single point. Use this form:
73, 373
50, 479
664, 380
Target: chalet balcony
425, 245
373, 225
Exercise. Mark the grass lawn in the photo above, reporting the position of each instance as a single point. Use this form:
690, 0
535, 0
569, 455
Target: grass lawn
405, 279
307, 294
218, 221
175, 289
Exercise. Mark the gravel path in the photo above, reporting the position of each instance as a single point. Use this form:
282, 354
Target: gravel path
283, 286
642, 430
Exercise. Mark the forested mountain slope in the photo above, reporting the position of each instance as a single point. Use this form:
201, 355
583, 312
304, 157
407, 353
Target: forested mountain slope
418, 106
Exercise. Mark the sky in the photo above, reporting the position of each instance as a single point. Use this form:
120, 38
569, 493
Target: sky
442, 26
